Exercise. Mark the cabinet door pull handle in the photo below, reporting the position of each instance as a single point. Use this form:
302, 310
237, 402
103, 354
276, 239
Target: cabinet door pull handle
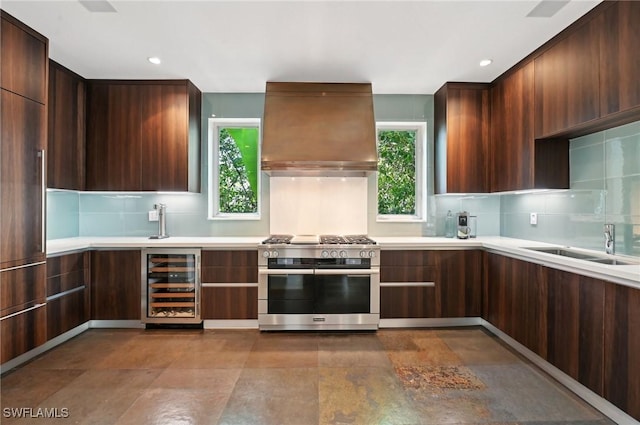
43, 183
26, 310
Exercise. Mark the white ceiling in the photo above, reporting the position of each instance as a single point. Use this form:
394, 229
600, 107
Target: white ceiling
236, 46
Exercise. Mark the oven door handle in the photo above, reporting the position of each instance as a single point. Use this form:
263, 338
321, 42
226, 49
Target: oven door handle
367, 272
284, 272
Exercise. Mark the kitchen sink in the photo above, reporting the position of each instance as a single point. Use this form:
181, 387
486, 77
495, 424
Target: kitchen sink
613, 261
564, 252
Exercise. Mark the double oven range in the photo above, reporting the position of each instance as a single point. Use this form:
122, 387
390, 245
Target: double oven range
323, 282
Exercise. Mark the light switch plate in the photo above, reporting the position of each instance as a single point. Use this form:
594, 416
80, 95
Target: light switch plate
533, 219
153, 215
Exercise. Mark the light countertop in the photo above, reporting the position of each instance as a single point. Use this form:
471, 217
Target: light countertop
628, 275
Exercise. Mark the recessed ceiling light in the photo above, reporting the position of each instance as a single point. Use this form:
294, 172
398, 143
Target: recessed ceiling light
485, 62
97, 6
154, 60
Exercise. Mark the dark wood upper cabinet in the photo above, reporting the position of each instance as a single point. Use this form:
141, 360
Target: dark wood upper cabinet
619, 58
461, 116
24, 59
143, 135
512, 141
567, 81
66, 136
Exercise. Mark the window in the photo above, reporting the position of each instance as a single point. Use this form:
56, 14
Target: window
234, 170
402, 171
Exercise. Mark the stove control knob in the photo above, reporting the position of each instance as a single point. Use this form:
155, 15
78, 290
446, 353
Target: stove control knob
265, 254
274, 254
363, 254
372, 254
334, 254
325, 254
343, 254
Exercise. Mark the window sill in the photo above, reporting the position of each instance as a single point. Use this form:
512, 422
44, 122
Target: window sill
400, 219
234, 217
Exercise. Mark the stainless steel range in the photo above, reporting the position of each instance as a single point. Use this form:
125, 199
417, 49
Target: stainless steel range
310, 282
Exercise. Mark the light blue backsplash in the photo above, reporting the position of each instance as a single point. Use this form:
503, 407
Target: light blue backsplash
604, 177
126, 214
62, 214
605, 188
486, 207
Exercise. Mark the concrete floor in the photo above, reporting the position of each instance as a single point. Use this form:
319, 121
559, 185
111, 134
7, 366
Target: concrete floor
174, 377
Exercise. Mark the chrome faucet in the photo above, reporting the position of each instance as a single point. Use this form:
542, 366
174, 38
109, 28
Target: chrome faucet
609, 238
162, 221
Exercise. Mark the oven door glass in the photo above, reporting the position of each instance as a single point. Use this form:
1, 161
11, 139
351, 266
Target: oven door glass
290, 293
342, 293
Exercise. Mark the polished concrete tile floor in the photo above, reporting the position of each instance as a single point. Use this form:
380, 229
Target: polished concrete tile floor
174, 377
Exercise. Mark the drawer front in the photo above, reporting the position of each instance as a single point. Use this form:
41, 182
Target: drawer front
248, 258
66, 312
67, 263
22, 285
228, 303
405, 302
23, 331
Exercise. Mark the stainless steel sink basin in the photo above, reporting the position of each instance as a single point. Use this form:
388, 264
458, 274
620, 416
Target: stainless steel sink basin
564, 252
613, 261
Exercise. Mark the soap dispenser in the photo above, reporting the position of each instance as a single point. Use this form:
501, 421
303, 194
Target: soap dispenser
449, 225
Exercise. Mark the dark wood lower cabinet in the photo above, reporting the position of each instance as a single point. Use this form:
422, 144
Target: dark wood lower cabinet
67, 311
517, 304
68, 292
622, 348
229, 303
23, 331
456, 277
407, 302
22, 285
230, 266
459, 283
116, 278
575, 323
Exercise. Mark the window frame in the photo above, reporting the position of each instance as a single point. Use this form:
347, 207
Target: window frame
213, 172
421, 171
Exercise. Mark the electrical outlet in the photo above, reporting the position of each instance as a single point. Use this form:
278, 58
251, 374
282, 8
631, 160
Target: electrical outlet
153, 215
533, 219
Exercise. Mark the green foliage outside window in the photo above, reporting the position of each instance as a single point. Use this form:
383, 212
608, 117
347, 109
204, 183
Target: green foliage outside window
397, 172
238, 162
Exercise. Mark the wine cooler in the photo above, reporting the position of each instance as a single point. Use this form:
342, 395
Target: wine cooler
171, 286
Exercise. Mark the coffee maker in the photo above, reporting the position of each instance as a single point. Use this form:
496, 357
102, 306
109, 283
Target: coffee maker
463, 225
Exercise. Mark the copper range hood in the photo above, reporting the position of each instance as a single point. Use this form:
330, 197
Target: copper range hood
325, 129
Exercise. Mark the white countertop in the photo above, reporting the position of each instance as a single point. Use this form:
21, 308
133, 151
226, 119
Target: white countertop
624, 274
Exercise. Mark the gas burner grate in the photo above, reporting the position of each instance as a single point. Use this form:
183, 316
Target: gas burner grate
332, 239
278, 239
359, 240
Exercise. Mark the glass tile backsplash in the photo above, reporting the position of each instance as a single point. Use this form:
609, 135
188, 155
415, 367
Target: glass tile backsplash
605, 188
604, 178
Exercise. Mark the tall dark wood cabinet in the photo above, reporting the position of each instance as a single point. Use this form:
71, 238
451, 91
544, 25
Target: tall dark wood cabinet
116, 279
143, 135
461, 116
66, 135
567, 81
22, 187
